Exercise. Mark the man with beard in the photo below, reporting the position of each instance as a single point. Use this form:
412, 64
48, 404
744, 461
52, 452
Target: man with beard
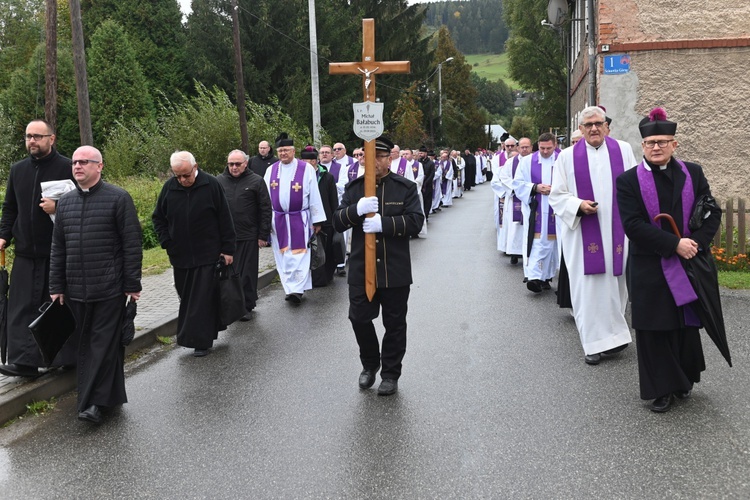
26, 221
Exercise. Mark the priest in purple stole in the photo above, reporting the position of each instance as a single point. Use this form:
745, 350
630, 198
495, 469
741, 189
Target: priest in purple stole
593, 243
670, 356
512, 213
532, 183
297, 212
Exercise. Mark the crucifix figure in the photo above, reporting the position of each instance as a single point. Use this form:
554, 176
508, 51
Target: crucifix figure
367, 68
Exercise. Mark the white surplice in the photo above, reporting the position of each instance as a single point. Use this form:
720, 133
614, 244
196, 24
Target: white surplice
514, 231
447, 197
294, 268
541, 263
599, 300
437, 193
481, 163
458, 183
499, 192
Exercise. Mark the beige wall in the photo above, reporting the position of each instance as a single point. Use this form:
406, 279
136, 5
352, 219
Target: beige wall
706, 93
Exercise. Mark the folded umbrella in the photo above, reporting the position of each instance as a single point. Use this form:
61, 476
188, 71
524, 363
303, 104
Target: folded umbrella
702, 273
128, 322
3, 308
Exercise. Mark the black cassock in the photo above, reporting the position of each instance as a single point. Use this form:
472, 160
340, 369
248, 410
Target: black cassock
198, 321
329, 196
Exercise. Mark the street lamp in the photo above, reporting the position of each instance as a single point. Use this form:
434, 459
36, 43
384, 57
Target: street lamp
440, 92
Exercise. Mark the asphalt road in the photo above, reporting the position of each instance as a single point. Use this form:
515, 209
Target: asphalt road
495, 401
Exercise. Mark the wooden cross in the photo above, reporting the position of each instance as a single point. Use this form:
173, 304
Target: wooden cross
368, 68
296, 187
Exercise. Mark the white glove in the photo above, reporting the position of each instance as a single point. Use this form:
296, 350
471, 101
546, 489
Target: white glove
367, 205
373, 224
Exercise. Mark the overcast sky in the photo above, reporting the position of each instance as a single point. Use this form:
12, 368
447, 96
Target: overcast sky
185, 4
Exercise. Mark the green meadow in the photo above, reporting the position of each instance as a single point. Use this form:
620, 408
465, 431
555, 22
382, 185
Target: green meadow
493, 67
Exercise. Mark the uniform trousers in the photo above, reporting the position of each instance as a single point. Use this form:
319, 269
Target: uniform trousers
393, 302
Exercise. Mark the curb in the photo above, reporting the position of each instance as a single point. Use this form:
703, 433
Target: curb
56, 383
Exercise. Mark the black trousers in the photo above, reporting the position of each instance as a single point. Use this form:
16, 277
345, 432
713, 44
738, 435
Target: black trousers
393, 302
668, 361
101, 376
246, 263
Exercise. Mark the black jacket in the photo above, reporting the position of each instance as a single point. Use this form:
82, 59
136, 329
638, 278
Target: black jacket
23, 219
653, 306
402, 217
250, 204
194, 224
96, 245
429, 175
259, 164
328, 195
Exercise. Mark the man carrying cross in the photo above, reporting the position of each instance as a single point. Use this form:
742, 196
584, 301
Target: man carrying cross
297, 212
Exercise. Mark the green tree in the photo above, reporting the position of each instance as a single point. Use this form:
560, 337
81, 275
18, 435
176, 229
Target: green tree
495, 97
537, 61
463, 124
210, 45
523, 126
406, 121
117, 86
21, 29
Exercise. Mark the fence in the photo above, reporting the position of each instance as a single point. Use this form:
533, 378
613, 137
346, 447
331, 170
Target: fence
735, 242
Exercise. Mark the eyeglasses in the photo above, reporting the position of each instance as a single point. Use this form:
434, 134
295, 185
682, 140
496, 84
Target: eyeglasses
36, 137
650, 144
185, 176
588, 126
359, 154
235, 163
338, 149
509, 146
84, 162
325, 152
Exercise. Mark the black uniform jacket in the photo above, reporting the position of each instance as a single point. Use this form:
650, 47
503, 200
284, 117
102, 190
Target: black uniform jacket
402, 217
250, 203
194, 224
23, 219
429, 175
653, 307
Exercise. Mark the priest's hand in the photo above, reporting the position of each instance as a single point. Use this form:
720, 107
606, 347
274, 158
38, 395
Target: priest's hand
588, 207
56, 296
134, 296
49, 206
687, 248
543, 189
367, 205
373, 224
2, 243
228, 259
317, 228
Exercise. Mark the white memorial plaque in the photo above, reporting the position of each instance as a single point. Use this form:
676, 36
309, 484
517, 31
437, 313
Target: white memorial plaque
368, 120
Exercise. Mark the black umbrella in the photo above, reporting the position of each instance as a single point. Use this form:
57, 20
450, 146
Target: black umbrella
3, 308
128, 322
702, 273
532, 224
52, 328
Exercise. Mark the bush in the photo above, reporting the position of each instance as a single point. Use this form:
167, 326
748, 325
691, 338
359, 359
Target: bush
739, 262
144, 192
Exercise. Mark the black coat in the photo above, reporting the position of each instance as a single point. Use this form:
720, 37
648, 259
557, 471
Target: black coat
653, 306
401, 216
328, 195
96, 245
194, 224
250, 204
23, 219
259, 164
429, 176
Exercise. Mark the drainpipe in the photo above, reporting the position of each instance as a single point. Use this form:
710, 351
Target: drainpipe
592, 52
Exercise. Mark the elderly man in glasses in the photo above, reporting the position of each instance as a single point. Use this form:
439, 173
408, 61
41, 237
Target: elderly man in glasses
251, 213
670, 356
26, 221
593, 243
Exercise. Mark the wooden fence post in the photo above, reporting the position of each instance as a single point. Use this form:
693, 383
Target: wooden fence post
741, 226
730, 228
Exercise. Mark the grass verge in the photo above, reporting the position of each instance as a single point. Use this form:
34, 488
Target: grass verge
736, 280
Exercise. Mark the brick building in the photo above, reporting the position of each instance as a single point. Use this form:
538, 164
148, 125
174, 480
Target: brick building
691, 57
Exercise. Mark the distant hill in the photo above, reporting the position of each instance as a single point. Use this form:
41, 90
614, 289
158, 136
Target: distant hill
476, 26
493, 67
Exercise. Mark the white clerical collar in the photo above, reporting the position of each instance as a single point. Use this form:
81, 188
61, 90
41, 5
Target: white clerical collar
597, 148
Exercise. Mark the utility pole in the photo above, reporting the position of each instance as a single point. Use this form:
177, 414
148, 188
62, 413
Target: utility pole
315, 91
238, 76
82, 86
50, 90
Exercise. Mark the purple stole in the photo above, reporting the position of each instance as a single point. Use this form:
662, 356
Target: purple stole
591, 232
674, 273
536, 178
415, 169
444, 187
296, 197
503, 158
401, 170
517, 213
335, 169
353, 170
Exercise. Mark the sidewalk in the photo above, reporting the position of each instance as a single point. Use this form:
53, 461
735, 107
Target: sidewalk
157, 317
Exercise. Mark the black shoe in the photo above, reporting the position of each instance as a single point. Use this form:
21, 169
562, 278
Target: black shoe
662, 404
546, 285
534, 285
593, 359
514, 259
199, 353
367, 378
615, 350
294, 298
683, 394
248, 316
387, 387
526, 280
16, 370
91, 414
341, 271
